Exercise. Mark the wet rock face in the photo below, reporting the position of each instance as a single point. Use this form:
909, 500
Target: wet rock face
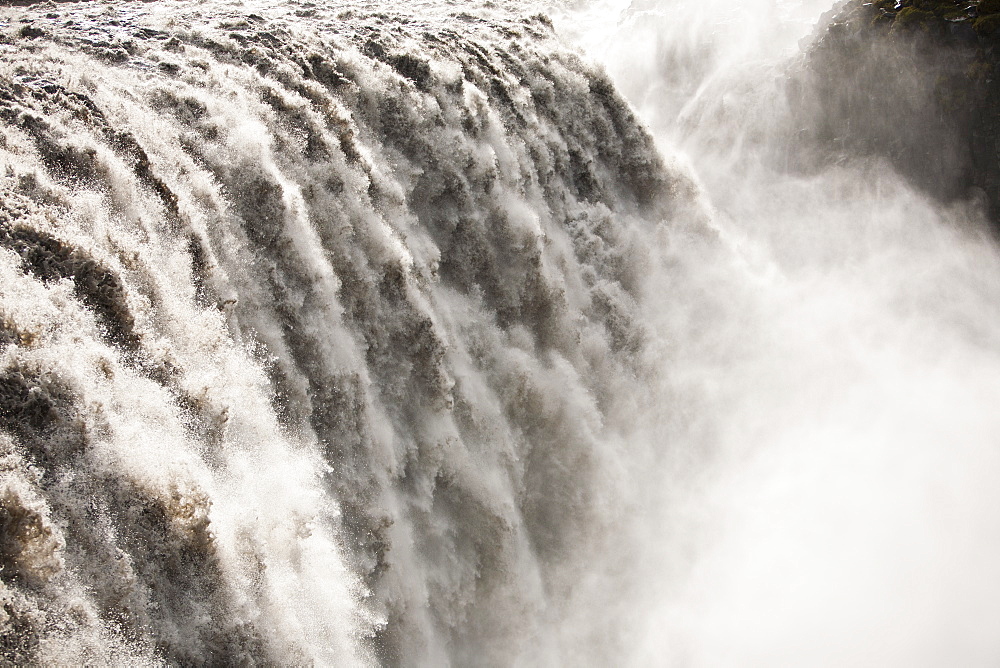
914, 81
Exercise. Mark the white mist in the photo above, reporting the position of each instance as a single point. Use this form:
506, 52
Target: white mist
826, 493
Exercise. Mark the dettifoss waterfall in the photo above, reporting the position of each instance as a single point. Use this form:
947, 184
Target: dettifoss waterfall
430, 333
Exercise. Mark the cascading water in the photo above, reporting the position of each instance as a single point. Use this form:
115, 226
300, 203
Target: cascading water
322, 331
356, 334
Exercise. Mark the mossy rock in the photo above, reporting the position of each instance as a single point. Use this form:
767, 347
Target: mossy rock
954, 15
987, 25
911, 19
881, 22
940, 7
987, 7
912, 15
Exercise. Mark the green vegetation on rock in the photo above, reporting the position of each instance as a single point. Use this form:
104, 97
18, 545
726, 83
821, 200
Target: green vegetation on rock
987, 25
911, 18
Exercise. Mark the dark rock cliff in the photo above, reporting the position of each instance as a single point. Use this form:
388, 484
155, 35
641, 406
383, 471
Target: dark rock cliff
913, 81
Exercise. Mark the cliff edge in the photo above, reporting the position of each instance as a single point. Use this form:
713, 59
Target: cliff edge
913, 81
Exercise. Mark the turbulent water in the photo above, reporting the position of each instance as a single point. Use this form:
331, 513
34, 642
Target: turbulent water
361, 334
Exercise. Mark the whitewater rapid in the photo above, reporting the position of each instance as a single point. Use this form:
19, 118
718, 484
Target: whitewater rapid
363, 334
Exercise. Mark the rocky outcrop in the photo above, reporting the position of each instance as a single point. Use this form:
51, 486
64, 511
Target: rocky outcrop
914, 81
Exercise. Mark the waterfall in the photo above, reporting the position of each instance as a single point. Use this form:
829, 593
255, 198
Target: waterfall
322, 330
465, 334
